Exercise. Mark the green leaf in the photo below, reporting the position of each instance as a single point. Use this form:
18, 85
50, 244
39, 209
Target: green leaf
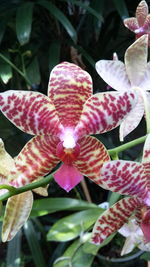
74, 225
113, 198
34, 245
93, 249
82, 259
145, 256
121, 8
13, 258
33, 72
54, 54
50, 205
24, 22
58, 14
5, 68
86, 55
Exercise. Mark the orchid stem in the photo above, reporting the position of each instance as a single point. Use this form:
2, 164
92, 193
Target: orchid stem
128, 145
86, 191
15, 191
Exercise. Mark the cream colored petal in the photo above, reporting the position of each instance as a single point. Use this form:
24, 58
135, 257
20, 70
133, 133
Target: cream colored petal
136, 60
132, 120
42, 191
145, 83
6, 161
128, 246
17, 211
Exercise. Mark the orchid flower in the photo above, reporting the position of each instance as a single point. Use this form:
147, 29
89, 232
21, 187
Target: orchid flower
126, 178
135, 72
134, 237
141, 23
18, 207
62, 122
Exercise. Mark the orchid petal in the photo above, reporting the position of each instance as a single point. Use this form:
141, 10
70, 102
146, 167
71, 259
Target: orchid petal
37, 158
141, 12
146, 159
113, 72
112, 219
125, 177
145, 83
18, 209
128, 246
145, 225
92, 156
69, 88
133, 119
31, 112
105, 111
42, 191
131, 24
146, 25
136, 60
68, 177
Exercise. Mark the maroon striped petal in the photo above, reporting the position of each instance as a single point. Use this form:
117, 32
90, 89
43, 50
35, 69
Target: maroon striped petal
133, 119
146, 160
69, 88
125, 177
131, 24
136, 60
112, 219
146, 25
92, 156
105, 111
141, 12
37, 158
113, 72
31, 112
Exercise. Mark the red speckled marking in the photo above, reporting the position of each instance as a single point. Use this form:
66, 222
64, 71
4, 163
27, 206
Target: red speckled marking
104, 111
113, 218
37, 158
125, 177
146, 160
91, 158
31, 112
69, 88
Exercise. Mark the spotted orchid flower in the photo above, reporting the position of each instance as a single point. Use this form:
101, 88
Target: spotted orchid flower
62, 122
18, 207
126, 178
134, 237
141, 23
134, 72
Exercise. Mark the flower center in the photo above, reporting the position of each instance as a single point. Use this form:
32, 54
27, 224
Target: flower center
67, 155
68, 138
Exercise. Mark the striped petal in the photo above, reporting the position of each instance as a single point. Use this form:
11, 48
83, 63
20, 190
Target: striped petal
17, 211
146, 159
92, 156
131, 24
133, 119
31, 112
37, 158
145, 225
69, 88
105, 111
141, 12
113, 72
146, 25
136, 60
125, 177
112, 219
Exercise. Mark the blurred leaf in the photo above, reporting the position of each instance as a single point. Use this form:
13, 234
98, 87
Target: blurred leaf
93, 249
13, 258
33, 72
34, 245
50, 205
113, 198
54, 54
56, 12
71, 226
145, 256
87, 8
121, 8
82, 259
5, 68
24, 22
2, 28
86, 55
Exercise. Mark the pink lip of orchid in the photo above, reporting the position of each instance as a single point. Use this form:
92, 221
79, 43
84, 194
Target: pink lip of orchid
127, 178
141, 23
62, 122
135, 72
